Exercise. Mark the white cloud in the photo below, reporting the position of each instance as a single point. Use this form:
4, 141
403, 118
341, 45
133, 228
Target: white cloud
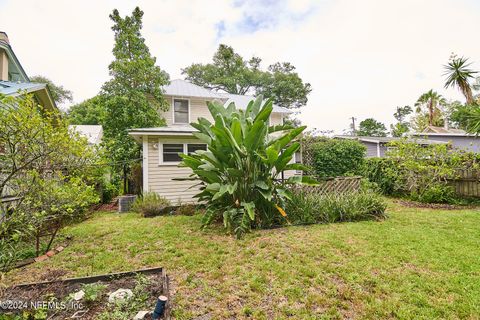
363, 58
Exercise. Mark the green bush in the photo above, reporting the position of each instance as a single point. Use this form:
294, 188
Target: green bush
338, 157
239, 172
109, 191
384, 172
312, 208
150, 204
437, 193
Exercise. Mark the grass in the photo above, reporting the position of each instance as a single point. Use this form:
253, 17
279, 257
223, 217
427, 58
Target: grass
419, 263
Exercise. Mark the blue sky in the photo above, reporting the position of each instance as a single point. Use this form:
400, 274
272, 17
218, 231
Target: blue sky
363, 58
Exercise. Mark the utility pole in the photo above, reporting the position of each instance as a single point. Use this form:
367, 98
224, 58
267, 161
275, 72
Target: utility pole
354, 130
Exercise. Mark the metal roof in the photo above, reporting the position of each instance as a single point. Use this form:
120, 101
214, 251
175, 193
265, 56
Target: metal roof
173, 128
441, 131
242, 101
184, 88
93, 133
389, 139
18, 88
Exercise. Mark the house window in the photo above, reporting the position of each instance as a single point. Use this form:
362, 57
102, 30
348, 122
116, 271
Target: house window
180, 111
192, 147
171, 152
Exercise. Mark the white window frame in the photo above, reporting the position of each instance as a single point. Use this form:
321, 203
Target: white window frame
185, 150
173, 110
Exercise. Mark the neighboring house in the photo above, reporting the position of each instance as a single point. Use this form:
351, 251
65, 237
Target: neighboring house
162, 145
93, 133
458, 138
14, 81
378, 146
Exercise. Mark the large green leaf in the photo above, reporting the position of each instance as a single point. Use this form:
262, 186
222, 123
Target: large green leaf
250, 208
296, 166
286, 156
265, 112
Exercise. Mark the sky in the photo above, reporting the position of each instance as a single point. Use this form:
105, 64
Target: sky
362, 58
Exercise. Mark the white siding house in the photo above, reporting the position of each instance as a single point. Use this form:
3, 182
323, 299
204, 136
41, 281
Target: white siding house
162, 145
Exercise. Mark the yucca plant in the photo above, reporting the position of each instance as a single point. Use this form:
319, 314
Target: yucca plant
240, 170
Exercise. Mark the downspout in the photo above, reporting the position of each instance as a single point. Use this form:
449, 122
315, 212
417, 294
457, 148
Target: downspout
378, 149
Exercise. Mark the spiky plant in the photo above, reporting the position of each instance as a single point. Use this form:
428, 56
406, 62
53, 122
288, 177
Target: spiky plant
239, 173
458, 74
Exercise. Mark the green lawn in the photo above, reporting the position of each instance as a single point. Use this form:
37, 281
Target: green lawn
419, 263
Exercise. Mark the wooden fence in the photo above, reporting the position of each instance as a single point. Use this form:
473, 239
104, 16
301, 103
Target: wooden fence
336, 185
466, 182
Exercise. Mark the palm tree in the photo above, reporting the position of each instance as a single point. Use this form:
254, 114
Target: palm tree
432, 100
458, 75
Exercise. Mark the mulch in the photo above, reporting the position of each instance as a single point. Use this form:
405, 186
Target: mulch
442, 206
60, 291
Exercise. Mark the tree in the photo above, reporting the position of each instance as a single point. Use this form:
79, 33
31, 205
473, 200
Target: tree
47, 168
229, 72
402, 126
372, 127
59, 93
433, 102
458, 75
240, 170
91, 111
133, 97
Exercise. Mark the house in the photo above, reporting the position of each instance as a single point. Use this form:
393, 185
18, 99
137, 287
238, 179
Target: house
14, 81
458, 138
93, 133
378, 146
162, 146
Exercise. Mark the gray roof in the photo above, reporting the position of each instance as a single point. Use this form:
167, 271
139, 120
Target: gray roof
242, 101
384, 140
17, 88
184, 88
93, 133
443, 132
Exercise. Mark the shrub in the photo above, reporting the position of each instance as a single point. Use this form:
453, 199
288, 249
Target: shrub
312, 208
186, 210
437, 193
150, 204
238, 173
335, 157
109, 191
384, 172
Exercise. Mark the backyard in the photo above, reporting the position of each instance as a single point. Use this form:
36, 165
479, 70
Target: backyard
418, 263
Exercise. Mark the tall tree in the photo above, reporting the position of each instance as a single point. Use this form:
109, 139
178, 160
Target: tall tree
90, 111
59, 93
372, 127
433, 102
402, 126
458, 75
230, 72
133, 96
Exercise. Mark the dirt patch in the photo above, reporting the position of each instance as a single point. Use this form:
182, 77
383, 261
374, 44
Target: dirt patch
55, 299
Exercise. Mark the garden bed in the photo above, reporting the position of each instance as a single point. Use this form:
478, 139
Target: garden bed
443, 206
60, 299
